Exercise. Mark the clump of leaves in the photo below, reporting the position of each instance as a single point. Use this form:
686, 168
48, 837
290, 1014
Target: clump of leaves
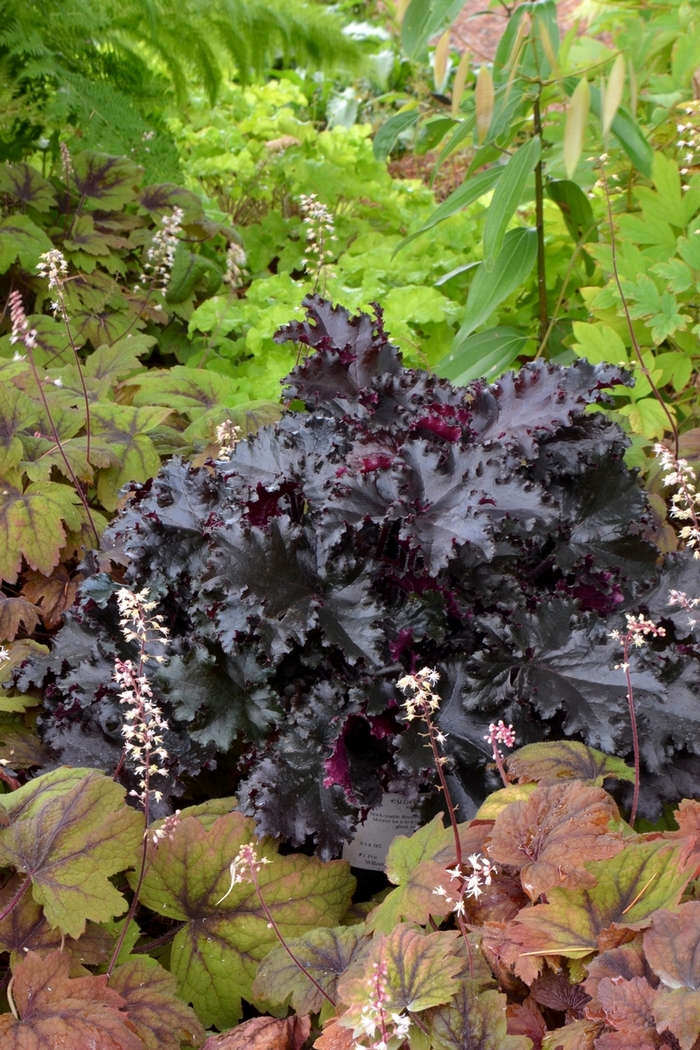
493, 532
78, 409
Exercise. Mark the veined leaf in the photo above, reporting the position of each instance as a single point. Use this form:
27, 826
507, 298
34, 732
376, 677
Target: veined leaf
485, 354
488, 290
106, 182
33, 526
672, 946
466, 194
215, 956
575, 127
613, 93
631, 886
476, 1022
566, 759
27, 185
56, 1009
69, 831
21, 239
506, 198
160, 1019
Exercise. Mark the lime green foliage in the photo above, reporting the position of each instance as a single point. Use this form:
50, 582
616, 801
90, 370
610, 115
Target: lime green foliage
255, 156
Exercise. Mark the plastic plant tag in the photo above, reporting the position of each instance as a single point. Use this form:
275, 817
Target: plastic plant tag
394, 816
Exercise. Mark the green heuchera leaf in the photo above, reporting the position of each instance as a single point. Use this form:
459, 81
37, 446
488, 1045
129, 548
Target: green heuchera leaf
106, 182
21, 239
474, 1022
421, 971
499, 800
326, 954
124, 430
25, 184
161, 1020
85, 238
32, 526
69, 831
564, 760
415, 880
631, 886
215, 956
181, 388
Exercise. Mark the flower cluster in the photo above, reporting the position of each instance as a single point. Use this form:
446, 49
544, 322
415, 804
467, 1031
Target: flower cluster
689, 136
235, 266
500, 733
21, 332
639, 630
143, 721
160, 257
320, 232
54, 268
227, 435
66, 161
682, 599
244, 867
423, 701
377, 1022
470, 885
685, 502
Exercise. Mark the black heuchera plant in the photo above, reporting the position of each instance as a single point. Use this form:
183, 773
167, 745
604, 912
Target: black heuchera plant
395, 521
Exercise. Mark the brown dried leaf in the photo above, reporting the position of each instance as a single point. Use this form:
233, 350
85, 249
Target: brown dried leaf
679, 1012
264, 1033
579, 1035
53, 594
57, 1010
159, 1018
13, 612
553, 833
626, 962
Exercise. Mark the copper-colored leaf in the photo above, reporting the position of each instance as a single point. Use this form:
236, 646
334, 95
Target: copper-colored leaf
526, 1019
629, 1007
53, 594
579, 1035
57, 1011
13, 613
160, 1019
477, 1022
556, 991
679, 1012
335, 1037
626, 962
553, 833
263, 1033
672, 946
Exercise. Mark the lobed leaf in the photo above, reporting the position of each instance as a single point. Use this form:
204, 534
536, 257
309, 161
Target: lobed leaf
564, 759
158, 1017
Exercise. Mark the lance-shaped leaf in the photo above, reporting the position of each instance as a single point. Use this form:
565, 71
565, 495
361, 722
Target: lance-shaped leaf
160, 1019
26, 184
506, 198
57, 1010
22, 239
69, 831
107, 183
325, 954
566, 759
421, 971
474, 1022
552, 834
485, 98
215, 956
613, 94
575, 128
631, 886
490, 288
462, 197
32, 525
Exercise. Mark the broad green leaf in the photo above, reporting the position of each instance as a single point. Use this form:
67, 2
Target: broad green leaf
53, 1009
325, 953
461, 198
416, 865
670, 195
599, 343
387, 136
25, 184
564, 760
70, 830
118, 359
575, 208
125, 429
421, 971
85, 238
187, 270
106, 182
160, 1019
506, 198
575, 127
485, 354
21, 239
488, 290
181, 388
162, 198
215, 956
33, 526
631, 886
474, 1022
424, 19
17, 411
